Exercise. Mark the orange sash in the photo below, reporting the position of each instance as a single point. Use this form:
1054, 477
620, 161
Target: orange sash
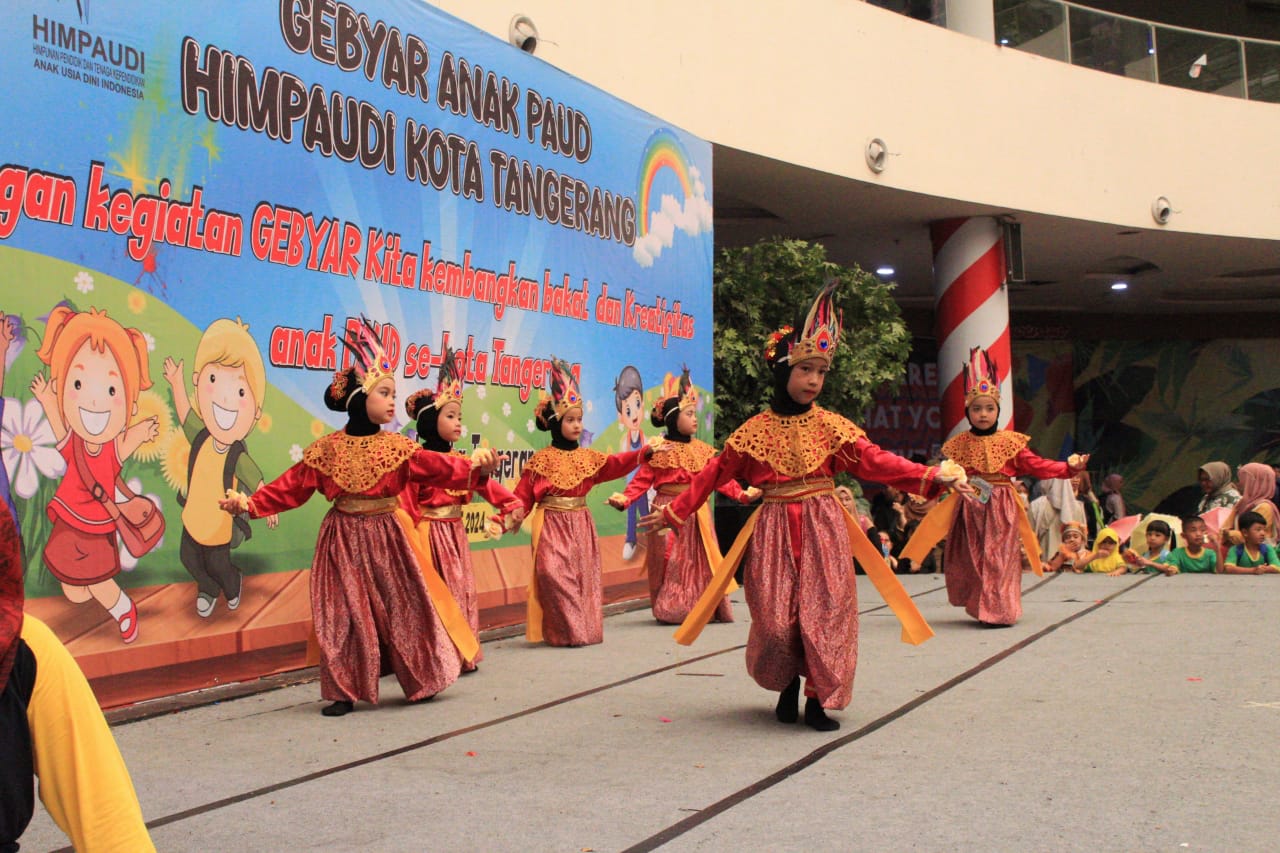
455, 621
937, 524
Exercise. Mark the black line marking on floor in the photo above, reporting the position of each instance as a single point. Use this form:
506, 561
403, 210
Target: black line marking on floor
719, 807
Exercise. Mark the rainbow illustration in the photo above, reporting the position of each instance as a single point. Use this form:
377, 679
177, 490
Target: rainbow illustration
663, 150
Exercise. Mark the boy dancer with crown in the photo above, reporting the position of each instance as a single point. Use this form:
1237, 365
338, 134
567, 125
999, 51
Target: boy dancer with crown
798, 548
368, 595
984, 564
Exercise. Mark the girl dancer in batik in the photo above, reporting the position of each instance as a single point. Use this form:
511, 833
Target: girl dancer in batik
438, 531
679, 564
566, 602
982, 556
369, 600
798, 549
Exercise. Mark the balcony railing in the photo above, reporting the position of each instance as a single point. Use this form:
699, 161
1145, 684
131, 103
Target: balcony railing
1142, 50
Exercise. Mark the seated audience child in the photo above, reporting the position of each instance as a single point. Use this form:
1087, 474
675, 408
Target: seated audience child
1072, 536
1192, 557
1159, 536
1253, 556
1105, 557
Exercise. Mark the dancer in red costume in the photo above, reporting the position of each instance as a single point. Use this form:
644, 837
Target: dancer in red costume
369, 600
440, 535
798, 549
679, 564
982, 556
566, 601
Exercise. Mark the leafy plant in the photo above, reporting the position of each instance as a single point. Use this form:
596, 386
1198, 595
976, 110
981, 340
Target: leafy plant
762, 287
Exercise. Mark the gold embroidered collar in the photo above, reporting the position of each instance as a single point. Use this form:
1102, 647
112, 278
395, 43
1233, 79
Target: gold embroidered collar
985, 454
565, 468
797, 445
691, 457
356, 463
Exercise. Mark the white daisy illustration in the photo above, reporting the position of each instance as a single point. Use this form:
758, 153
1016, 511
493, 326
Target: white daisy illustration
28, 447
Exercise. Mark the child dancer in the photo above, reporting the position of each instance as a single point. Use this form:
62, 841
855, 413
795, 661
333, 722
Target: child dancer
984, 568
368, 595
798, 548
566, 602
679, 565
439, 533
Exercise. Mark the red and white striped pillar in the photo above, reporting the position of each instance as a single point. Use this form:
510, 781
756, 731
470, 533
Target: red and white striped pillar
973, 310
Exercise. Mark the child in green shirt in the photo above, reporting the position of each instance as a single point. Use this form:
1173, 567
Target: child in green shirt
1192, 557
1254, 556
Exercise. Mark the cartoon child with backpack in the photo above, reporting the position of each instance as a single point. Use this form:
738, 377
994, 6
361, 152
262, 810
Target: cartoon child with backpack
230, 381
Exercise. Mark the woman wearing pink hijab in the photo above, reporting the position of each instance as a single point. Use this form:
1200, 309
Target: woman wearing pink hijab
1257, 487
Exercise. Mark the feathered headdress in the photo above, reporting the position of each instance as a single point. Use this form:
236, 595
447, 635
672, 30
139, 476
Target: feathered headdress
680, 389
980, 376
564, 390
371, 362
817, 338
448, 387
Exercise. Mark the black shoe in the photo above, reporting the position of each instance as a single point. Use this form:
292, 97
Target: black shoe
338, 709
816, 718
788, 709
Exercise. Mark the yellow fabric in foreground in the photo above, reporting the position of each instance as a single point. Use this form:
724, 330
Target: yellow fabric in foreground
533, 610
455, 621
915, 630
937, 524
701, 613
84, 783
708, 534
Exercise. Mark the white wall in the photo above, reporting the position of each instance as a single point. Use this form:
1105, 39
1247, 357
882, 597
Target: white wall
810, 81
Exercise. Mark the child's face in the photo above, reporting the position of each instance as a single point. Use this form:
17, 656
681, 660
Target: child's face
983, 412
629, 412
225, 403
687, 422
93, 402
806, 380
1106, 547
1072, 540
1194, 534
449, 422
571, 424
846, 497
381, 404
1255, 534
1155, 541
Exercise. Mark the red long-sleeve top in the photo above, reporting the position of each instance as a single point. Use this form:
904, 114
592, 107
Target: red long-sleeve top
771, 449
419, 495
676, 466
377, 466
571, 473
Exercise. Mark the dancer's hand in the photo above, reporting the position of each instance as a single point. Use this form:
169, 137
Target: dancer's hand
486, 460
750, 493
653, 522
234, 502
1078, 461
617, 501
273, 521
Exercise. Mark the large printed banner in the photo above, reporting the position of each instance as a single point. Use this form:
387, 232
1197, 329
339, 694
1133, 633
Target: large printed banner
197, 200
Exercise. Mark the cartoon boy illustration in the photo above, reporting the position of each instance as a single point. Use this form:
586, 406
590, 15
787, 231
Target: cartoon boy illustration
96, 370
628, 395
230, 381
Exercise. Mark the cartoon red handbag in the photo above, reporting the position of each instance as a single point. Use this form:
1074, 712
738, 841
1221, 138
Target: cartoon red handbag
137, 519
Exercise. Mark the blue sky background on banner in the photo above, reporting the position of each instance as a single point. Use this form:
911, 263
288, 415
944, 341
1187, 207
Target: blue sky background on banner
238, 169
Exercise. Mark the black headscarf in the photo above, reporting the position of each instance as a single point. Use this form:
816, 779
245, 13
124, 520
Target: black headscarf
354, 404
547, 422
783, 403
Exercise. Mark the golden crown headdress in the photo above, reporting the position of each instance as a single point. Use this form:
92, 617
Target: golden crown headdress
679, 388
371, 362
564, 390
449, 386
817, 338
980, 376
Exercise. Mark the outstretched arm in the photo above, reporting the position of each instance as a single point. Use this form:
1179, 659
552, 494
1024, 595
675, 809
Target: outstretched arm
178, 385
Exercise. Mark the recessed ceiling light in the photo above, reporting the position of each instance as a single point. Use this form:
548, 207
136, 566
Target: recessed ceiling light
885, 271
1119, 285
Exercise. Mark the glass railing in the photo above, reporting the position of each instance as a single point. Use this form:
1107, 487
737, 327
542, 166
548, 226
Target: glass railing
1142, 50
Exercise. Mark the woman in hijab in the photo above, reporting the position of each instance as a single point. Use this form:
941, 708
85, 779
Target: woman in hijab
1257, 486
1219, 491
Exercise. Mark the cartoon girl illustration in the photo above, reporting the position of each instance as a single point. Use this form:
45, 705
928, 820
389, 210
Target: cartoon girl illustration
96, 370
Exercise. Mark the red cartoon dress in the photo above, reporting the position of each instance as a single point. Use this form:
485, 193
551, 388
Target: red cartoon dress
680, 562
369, 600
565, 597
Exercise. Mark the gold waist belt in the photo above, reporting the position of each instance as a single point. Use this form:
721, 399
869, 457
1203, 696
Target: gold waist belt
673, 489
560, 503
442, 513
798, 490
361, 505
